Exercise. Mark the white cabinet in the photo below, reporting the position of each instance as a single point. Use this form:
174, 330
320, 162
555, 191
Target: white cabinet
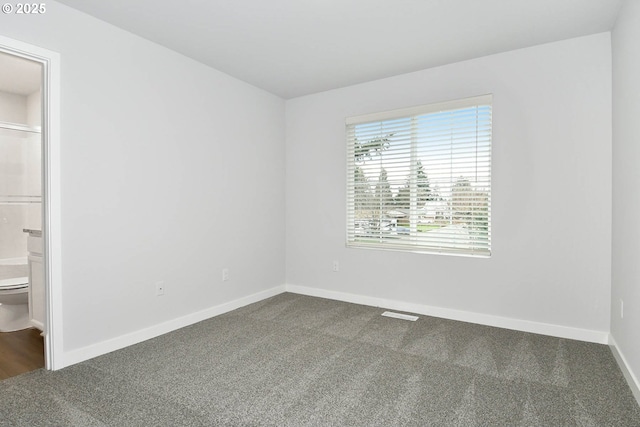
37, 295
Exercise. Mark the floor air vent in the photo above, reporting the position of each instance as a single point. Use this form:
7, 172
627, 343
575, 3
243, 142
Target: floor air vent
400, 316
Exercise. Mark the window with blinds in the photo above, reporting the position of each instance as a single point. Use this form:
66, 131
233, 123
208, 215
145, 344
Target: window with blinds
419, 179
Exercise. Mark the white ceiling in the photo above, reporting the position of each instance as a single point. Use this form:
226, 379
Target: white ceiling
297, 47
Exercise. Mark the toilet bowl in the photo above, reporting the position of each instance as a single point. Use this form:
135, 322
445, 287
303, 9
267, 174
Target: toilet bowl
14, 304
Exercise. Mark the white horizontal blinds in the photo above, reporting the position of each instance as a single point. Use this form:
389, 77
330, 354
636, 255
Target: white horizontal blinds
422, 181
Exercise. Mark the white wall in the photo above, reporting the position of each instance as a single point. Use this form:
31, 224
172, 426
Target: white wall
34, 109
14, 164
33, 218
13, 108
626, 184
170, 171
551, 191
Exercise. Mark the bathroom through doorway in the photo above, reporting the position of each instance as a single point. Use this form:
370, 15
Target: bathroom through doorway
30, 294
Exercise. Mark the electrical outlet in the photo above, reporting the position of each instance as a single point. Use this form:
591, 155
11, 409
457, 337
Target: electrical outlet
159, 288
336, 266
225, 274
621, 308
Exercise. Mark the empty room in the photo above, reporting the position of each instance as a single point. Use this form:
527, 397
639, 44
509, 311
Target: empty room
320, 213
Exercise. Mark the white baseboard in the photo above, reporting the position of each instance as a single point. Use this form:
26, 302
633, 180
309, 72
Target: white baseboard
599, 337
85, 353
79, 355
632, 380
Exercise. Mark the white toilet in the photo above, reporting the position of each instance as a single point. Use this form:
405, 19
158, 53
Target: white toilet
14, 304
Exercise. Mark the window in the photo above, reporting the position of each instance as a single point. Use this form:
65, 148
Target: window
419, 179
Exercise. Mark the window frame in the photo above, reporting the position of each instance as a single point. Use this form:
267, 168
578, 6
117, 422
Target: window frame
411, 242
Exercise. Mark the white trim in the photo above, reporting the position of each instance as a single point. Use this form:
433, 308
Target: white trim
632, 380
85, 353
421, 109
599, 337
51, 190
400, 316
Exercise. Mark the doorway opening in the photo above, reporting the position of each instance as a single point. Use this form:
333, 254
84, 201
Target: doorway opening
30, 336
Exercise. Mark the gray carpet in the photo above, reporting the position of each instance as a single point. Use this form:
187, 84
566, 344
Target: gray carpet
294, 360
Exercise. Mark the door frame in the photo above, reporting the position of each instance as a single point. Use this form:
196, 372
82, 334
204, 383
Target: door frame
51, 217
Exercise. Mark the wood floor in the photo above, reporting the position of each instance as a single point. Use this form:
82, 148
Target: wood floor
20, 352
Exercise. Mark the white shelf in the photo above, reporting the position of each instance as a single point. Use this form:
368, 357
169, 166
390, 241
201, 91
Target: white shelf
19, 200
19, 127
